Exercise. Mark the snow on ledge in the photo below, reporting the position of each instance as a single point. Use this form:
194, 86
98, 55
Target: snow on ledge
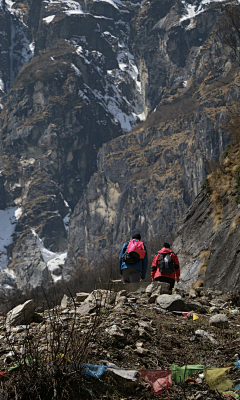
191, 10
49, 19
52, 260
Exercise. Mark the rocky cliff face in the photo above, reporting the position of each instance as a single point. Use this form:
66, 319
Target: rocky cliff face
90, 72
208, 236
147, 179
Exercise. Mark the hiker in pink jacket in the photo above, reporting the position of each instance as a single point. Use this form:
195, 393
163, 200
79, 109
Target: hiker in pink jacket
133, 260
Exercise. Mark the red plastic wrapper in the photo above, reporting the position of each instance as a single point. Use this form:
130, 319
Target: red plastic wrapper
159, 380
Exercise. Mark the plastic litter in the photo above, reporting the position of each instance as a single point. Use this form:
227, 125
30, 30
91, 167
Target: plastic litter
181, 374
94, 371
237, 387
124, 373
17, 365
195, 317
231, 395
237, 364
159, 380
191, 380
217, 379
205, 335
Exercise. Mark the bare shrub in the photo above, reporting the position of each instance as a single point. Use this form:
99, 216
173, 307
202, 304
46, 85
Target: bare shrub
49, 358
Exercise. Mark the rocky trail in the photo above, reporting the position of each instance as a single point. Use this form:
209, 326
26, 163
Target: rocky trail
127, 333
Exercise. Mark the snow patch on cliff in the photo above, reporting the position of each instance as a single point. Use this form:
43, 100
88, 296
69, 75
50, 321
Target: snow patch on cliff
52, 260
113, 3
49, 19
7, 228
191, 10
69, 7
9, 5
114, 105
1, 85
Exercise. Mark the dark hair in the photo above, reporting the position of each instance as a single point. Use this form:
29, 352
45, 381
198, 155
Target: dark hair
167, 245
136, 236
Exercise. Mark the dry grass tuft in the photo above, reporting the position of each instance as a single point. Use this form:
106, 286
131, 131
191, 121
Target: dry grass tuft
205, 255
235, 223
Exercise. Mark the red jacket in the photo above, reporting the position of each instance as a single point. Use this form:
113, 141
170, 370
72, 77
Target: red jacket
155, 270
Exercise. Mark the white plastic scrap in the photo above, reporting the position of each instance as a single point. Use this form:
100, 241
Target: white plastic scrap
124, 373
202, 333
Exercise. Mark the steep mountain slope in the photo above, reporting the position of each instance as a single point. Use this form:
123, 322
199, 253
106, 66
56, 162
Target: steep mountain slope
100, 67
208, 237
147, 179
62, 106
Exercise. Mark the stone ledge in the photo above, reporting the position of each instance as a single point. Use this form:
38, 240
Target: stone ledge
129, 287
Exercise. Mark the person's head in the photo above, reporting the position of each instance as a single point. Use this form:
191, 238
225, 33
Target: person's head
166, 245
136, 236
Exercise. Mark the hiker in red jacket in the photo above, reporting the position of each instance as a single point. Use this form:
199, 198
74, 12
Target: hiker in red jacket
165, 266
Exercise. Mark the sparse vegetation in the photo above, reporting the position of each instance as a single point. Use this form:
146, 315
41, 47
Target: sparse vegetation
48, 363
237, 178
206, 256
204, 184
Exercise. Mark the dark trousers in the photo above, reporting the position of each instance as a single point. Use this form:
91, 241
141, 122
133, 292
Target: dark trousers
131, 275
166, 279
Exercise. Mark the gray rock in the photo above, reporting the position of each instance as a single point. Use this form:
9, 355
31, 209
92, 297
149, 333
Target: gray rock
157, 287
121, 301
204, 301
132, 300
10, 357
22, 314
153, 298
85, 308
145, 325
100, 298
141, 351
120, 294
115, 330
219, 320
196, 306
65, 301
192, 294
171, 302
142, 333
206, 335
214, 309
80, 297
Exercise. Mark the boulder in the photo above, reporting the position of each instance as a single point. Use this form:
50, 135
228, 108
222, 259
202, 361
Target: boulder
219, 320
196, 306
65, 301
171, 302
158, 287
121, 301
80, 297
100, 298
86, 308
22, 314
